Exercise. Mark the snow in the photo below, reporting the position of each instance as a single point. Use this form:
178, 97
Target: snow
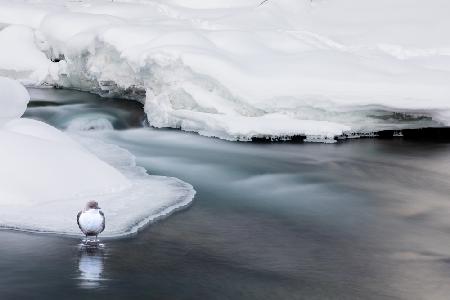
47, 176
21, 58
237, 69
13, 100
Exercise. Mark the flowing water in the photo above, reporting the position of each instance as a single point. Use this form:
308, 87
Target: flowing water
364, 219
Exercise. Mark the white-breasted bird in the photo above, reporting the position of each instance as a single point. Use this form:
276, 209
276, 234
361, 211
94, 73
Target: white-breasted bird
91, 220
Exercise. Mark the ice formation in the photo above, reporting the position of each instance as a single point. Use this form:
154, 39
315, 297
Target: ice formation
46, 176
237, 69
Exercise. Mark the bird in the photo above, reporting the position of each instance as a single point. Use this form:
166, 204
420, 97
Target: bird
91, 220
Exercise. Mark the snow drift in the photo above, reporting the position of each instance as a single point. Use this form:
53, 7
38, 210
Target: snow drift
237, 69
46, 177
13, 100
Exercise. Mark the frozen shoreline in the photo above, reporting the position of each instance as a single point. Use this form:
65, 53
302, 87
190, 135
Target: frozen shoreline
145, 200
177, 193
236, 70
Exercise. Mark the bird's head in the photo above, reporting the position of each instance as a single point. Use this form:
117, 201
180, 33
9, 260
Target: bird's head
92, 205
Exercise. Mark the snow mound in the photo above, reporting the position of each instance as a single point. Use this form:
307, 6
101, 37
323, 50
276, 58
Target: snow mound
47, 177
13, 100
41, 164
127, 209
238, 69
21, 58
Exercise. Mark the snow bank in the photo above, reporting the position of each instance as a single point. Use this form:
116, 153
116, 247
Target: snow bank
237, 69
22, 59
41, 164
47, 177
13, 100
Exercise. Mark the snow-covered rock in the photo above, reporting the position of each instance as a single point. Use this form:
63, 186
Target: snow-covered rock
46, 177
238, 69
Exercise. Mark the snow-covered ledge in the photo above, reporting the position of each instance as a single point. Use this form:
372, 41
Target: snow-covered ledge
46, 176
238, 70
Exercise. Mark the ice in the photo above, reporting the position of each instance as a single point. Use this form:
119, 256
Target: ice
148, 199
90, 122
47, 176
238, 70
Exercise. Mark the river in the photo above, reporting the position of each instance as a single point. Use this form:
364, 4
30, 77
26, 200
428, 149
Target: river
361, 219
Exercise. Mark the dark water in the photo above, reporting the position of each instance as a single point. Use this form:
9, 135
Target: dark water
366, 219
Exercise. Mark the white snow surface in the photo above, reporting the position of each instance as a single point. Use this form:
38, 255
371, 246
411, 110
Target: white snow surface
13, 100
47, 176
237, 69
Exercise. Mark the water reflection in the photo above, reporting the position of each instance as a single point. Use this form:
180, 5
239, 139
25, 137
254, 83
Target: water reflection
91, 266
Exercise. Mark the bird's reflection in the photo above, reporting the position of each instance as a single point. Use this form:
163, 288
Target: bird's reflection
90, 266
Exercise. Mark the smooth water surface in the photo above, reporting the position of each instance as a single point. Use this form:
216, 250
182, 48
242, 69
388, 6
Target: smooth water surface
365, 219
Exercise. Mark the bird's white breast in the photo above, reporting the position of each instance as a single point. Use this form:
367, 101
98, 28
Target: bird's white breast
91, 220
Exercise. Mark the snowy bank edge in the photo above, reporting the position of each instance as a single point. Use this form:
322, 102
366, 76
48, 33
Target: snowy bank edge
140, 225
90, 144
107, 82
185, 200
163, 214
